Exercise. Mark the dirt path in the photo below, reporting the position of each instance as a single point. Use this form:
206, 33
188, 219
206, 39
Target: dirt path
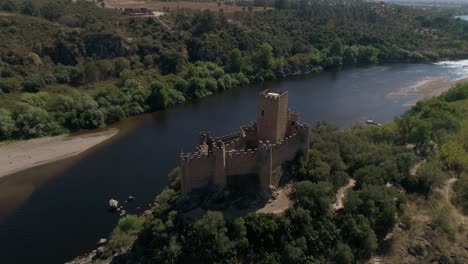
448, 189
281, 203
20, 155
340, 195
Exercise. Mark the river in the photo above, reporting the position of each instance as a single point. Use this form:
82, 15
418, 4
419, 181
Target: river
51, 213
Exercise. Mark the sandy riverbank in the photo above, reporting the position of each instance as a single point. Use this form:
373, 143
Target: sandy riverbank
20, 155
430, 88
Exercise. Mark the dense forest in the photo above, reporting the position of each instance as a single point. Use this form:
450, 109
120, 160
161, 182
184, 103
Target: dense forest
400, 170
66, 65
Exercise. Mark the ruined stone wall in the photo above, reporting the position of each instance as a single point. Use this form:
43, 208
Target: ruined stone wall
241, 162
197, 171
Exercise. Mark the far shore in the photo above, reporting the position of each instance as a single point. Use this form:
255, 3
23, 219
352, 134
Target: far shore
25, 154
428, 89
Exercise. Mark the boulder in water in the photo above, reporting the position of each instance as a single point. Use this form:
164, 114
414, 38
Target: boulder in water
113, 204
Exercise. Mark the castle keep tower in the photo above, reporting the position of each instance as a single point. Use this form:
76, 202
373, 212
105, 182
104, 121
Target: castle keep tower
257, 150
272, 116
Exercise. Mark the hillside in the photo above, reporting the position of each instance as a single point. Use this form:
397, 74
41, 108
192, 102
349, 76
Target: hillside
68, 66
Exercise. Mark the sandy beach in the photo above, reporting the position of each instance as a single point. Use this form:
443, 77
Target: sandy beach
427, 89
20, 155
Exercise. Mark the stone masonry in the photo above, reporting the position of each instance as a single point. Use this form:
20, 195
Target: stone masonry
257, 149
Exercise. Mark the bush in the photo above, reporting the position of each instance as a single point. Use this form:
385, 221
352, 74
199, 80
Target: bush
456, 93
7, 124
124, 234
33, 84
8, 85
162, 96
33, 122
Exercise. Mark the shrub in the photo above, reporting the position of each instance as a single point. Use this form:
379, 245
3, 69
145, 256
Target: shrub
8, 85
7, 124
33, 84
124, 234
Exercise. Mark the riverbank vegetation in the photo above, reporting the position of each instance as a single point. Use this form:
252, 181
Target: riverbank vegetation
399, 209
68, 66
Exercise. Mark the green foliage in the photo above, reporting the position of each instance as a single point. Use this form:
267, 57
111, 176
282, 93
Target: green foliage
345, 255
7, 124
28, 8
162, 96
235, 63
315, 197
33, 83
51, 11
8, 85
208, 240
123, 235
8, 6
376, 204
32, 121
428, 177
171, 62
92, 72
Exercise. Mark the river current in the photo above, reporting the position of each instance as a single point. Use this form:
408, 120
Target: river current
54, 212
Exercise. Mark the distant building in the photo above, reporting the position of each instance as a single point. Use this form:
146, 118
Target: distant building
256, 150
138, 12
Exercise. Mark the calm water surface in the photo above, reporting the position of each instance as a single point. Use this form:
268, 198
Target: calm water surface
51, 213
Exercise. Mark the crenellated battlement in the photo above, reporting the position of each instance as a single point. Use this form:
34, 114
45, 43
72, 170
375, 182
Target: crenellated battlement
269, 94
251, 151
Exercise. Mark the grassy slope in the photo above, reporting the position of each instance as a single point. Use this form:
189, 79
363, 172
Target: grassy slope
437, 229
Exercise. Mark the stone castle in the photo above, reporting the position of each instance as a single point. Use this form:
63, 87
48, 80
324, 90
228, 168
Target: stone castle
257, 150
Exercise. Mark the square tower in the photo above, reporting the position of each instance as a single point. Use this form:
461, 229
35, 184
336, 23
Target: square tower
272, 116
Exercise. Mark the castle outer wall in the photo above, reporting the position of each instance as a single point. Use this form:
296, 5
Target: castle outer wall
256, 151
212, 168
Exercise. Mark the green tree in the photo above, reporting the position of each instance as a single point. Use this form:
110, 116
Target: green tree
345, 255
7, 124
337, 48
137, 94
263, 57
162, 96
8, 85
33, 122
28, 8
172, 62
235, 63
33, 83
106, 68
51, 11
77, 75
8, 6
316, 197
207, 240
120, 64
92, 72
357, 232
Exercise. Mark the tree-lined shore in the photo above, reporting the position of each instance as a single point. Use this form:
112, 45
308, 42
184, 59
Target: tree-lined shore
68, 66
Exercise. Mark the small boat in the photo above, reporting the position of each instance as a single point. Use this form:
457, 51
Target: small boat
372, 122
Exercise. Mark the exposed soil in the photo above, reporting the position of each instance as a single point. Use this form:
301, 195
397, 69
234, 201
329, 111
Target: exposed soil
340, 195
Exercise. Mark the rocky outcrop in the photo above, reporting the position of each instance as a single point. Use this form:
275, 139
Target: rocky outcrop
34, 59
